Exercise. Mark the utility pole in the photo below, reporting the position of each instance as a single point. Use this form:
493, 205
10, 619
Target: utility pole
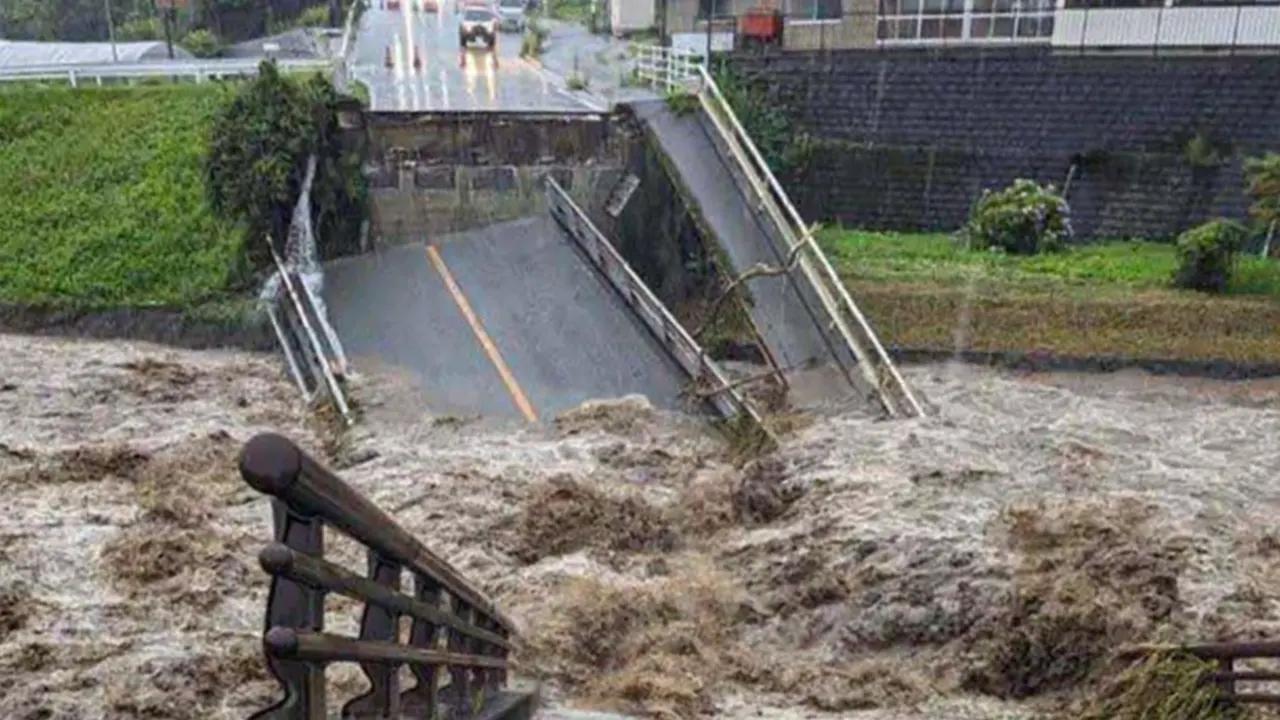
711, 15
168, 25
111, 32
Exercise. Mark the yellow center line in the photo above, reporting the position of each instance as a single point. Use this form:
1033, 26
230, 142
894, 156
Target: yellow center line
486, 343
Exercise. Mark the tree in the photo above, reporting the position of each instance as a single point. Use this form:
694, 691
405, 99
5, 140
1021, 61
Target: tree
260, 140
258, 150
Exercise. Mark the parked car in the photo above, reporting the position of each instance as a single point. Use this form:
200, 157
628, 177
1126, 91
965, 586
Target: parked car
393, 4
431, 6
511, 15
478, 23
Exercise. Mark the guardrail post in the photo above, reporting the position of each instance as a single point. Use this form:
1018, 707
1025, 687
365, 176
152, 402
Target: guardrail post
271, 462
383, 698
420, 701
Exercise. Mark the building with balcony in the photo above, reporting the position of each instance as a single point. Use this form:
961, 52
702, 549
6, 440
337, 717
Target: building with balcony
1065, 25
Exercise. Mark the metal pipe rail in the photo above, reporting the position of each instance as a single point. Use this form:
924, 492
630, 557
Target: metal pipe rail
677, 70
691, 357
196, 70
455, 627
879, 373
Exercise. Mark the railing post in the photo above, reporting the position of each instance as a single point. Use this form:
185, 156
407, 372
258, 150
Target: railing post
421, 700
270, 461
460, 702
1226, 685
383, 698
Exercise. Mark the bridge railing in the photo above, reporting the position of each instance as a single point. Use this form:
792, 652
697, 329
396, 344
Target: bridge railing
876, 374
455, 628
1229, 676
721, 393
666, 68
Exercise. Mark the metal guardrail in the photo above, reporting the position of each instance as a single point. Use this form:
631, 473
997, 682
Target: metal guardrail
455, 629
305, 334
199, 71
878, 375
691, 357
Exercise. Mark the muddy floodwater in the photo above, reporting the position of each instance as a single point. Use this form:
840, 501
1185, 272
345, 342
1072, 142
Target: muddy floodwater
983, 562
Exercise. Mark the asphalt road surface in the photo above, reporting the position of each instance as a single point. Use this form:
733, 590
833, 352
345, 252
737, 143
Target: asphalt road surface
410, 61
507, 321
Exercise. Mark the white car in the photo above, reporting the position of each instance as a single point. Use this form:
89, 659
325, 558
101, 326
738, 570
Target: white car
478, 23
511, 15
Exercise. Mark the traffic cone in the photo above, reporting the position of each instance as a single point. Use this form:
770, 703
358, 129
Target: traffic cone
388, 61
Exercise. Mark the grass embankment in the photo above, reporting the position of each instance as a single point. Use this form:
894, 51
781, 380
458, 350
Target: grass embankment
105, 201
1110, 299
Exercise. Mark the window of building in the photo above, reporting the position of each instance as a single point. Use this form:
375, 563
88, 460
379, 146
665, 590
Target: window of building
721, 8
937, 21
814, 10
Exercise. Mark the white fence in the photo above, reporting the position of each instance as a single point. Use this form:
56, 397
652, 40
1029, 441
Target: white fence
199, 71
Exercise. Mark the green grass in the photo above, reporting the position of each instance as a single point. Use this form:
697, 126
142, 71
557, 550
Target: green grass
937, 258
923, 291
105, 199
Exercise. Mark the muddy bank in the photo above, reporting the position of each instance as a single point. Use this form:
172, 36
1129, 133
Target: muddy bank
166, 326
979, 564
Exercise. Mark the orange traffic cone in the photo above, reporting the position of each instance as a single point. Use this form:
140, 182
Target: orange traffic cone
388, 61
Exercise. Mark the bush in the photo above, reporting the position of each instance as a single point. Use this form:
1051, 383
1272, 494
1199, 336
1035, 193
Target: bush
1206, 255
257, 160
1263, 177
317, 16
1024, 218
139, 29
202, 44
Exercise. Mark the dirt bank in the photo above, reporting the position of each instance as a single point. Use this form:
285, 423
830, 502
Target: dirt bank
976, 564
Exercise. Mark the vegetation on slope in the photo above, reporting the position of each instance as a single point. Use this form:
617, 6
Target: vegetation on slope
105, 199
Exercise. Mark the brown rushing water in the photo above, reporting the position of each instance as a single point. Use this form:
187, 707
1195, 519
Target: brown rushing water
868, 570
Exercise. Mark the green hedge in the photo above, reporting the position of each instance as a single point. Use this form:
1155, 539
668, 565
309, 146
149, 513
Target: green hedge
105, 201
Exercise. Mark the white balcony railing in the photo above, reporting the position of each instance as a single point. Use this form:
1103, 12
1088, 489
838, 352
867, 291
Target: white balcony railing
1168, 27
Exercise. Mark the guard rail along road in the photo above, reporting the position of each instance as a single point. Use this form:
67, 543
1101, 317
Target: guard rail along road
199, 71
676, 71
455, 629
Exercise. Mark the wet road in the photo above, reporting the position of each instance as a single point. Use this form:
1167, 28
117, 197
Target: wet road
507, 321
411, 61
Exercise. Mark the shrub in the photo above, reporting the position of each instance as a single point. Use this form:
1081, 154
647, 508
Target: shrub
1024, 218
1206, 255
257, 158
202, 44
139, 29
317, 16
1263, 177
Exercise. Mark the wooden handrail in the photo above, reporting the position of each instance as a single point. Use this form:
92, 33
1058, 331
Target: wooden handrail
294, 644
279, 559
275, 466
1225, 654
456, 629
